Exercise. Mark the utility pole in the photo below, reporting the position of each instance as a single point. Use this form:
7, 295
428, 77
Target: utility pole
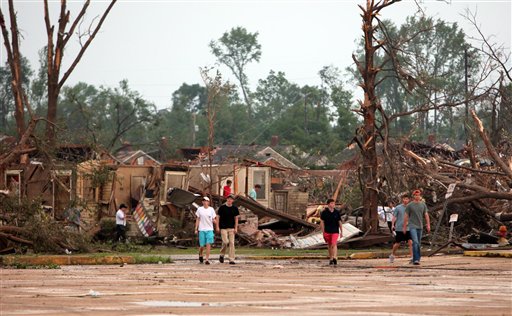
305, 115
469, 138
194, 129
466, 93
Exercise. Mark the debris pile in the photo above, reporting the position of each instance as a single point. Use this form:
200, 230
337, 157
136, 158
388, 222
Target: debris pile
26, 227
482, 179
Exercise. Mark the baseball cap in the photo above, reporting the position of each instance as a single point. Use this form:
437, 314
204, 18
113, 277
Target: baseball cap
205, 198
416, 192
231, 196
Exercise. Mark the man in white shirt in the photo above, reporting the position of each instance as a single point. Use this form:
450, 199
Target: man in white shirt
121, 222
205, 219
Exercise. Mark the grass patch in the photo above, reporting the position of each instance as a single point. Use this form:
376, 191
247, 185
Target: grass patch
151, 259
243, 251
27, 266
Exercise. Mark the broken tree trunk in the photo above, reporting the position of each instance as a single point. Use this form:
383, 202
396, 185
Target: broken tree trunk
490, 147
368, 132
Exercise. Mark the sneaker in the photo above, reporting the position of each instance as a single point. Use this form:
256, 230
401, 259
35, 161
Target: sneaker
200, 259
391, 258
334, 261
416, 263
331, 262
207, 262
231, 262
410, 261
221, 259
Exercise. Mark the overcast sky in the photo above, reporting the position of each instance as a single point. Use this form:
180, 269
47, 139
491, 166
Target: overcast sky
158, 45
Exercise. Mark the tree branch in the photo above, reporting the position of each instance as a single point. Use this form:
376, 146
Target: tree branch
490, 147
86, 45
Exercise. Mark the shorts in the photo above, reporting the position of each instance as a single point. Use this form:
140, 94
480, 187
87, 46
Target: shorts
205, 237
331, 239
400, 236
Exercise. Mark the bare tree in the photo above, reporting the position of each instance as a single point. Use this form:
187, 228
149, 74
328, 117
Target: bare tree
55, 53
216, 90
14, 61
367, 134
56, 50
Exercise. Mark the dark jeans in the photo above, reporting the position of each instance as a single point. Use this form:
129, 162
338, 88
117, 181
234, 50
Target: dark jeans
120, 232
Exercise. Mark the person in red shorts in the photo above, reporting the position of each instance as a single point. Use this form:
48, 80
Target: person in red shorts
332, 229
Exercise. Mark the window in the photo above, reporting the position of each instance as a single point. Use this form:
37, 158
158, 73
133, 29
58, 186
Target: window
175, 179
280, 199
13, 182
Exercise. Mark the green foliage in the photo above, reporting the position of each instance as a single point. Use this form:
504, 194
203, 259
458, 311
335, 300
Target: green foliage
105, 116
107, 230
236, 50
18, 265
7, 123
99, 176
151, 259
431, 52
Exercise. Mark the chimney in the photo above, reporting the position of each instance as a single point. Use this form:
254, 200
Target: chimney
274, 141
126, 147
164, 148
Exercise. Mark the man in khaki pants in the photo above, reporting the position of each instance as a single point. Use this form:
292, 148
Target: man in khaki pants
228, 223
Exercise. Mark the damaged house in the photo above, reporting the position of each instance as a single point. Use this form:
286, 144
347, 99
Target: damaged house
247, 166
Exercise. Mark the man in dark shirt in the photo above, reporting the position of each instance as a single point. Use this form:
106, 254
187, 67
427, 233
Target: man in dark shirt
332, 229
228, 223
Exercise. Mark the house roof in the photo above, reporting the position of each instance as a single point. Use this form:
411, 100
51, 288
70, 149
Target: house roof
127, 155
264, 154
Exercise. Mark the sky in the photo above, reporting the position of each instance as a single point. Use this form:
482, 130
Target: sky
159, 44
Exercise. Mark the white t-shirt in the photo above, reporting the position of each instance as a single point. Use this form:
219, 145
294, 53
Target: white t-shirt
120, 218
385, 213
206, 217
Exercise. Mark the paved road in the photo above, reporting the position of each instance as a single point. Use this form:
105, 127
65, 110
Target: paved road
442, 285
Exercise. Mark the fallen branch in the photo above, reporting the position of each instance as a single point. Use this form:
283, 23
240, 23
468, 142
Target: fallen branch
490, 148
16, 239
472, 169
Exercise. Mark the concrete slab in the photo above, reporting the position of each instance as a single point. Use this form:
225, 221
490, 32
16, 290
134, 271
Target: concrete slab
441, 285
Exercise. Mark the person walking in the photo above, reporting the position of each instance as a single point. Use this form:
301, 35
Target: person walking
397, 224
121, 223
205, 219
227, 216
415, 211
332, 229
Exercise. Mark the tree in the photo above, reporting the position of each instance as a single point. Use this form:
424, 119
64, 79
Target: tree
39, 85
107, 116
367, 134
340, 100
7, 104
236, 50
216, 89
180, 122
273, 97
56, 49
14, 60
55, 54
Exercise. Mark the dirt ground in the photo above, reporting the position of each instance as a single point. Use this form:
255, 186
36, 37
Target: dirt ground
442, 285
